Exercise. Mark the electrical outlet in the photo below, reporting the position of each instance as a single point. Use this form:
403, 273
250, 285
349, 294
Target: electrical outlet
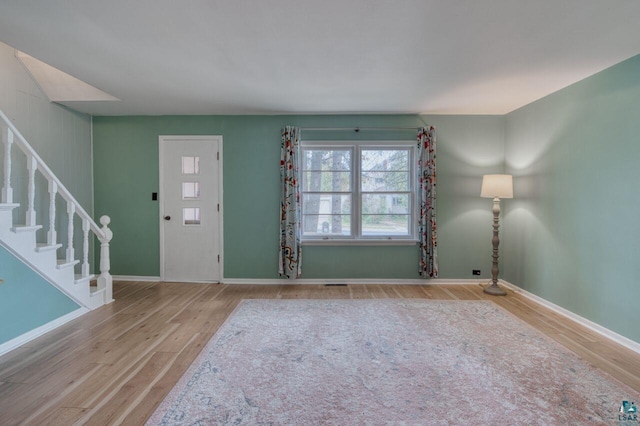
476, 272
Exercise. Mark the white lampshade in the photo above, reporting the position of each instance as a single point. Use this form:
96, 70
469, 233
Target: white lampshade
500, 186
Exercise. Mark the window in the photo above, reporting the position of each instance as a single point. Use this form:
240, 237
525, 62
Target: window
190, 165
191, 216
190, 190
357, 191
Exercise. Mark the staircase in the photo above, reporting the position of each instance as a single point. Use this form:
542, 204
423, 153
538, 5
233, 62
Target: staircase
42, 257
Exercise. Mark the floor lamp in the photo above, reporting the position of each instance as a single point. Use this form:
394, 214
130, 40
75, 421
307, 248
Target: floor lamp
496, 187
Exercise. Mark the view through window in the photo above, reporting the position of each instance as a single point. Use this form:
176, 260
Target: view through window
357, 191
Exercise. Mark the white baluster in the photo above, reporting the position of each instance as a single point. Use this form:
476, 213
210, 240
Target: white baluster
85, 248
7, 191
51, 235
105, 280
32, 166
71, 210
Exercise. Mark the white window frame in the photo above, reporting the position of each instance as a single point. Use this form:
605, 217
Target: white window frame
356, 237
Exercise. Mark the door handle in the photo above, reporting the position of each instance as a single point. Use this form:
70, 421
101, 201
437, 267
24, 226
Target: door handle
167, 218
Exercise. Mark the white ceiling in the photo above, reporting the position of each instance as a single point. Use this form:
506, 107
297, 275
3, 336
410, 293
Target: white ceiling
322, 56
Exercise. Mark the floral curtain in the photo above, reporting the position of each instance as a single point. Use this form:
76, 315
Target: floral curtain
289, 261
427, 228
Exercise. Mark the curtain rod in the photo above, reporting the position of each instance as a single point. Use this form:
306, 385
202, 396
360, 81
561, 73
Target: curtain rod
356, 129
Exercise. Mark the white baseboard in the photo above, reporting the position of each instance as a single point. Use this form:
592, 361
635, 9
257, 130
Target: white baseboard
322, 281
135, 278
603, 331
319, 281
37, 332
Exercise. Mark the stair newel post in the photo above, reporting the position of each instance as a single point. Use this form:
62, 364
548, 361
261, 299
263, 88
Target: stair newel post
71, 210
7, 191
85, 248
52, 237
32, 166
105, 280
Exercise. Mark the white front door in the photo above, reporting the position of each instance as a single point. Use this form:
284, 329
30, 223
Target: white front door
190, 211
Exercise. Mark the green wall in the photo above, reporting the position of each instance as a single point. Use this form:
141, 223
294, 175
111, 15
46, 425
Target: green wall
573, 234
126, 173
27, 301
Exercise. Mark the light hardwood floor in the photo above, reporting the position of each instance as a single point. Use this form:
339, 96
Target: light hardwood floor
116, 364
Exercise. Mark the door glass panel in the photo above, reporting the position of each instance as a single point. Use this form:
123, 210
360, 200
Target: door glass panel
190, 165
190, 190
191, 216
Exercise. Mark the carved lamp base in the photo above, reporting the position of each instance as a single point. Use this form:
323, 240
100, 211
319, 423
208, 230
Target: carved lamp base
494, 289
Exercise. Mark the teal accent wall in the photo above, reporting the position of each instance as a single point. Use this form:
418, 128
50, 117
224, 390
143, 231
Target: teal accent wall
126, 173
572, 231
27, 301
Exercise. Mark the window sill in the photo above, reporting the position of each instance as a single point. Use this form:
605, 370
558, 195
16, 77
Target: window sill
362, 242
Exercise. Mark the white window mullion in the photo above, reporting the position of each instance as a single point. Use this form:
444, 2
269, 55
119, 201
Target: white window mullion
356, 202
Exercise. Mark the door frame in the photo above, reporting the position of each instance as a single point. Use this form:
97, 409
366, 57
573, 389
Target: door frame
161, 154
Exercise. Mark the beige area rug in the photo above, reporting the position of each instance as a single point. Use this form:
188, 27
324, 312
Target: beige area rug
393, 361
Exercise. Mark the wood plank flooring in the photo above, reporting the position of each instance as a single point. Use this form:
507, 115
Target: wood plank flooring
116, 364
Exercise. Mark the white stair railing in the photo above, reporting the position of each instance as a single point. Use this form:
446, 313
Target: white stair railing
11, 136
